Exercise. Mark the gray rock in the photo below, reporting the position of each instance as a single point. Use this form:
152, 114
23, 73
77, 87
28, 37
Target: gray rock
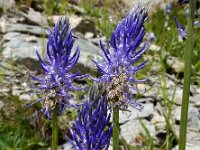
175, 63
197, 105
130, 130
18, 46
88, 51
86, 25
4, 91
189, 146
152, 4
193, 89
97, 40
146, 100
16, 91
133, 113
89, 35
9, 36
177, 98
25, 97
193, 137
174, 92
7, 4
110, 147
193, 141
169, 83
33, 16
154, 47
21, 41
159, 122
1, 104
66, 146
73, 19
154, 91
23, 28
177, 113
155, 67
198, 90
195, 98
147, 111
160, 127
31, 39
37, 5
193, 116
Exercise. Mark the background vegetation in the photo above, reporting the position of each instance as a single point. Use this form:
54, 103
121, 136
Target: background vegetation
16, 130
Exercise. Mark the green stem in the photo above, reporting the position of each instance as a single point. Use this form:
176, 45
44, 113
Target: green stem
187, 74
55, 128
116, 128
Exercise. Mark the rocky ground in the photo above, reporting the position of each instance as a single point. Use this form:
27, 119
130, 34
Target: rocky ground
23, 31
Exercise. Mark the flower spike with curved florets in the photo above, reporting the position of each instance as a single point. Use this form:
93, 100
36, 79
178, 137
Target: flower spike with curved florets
57, 80
168, 8
91, 129
182, 32
121, 53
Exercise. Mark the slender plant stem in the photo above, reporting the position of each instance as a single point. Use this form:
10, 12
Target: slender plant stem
116, 128
187, 74
55, 128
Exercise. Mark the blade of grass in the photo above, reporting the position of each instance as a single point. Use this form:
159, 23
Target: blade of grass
116, 128
148, 137
187, 75
55, 128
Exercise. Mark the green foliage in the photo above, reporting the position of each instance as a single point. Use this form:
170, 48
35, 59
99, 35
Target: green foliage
188, 50
18, 136
16, 132
167, 38
1, 50
106, 26
196, 53
168, 103
100, 16
148, 139
94, 11
128, 146
52, 7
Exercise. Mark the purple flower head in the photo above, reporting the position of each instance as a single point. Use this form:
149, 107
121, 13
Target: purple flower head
197, 23
152, 37
182, 32
168, 8
57, 79
187, 12
91, 129
120, 54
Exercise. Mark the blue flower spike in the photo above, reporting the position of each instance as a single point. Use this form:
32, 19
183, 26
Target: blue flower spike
121, 53
91, 129
182, 32
57, 79
152, 37
168, 8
